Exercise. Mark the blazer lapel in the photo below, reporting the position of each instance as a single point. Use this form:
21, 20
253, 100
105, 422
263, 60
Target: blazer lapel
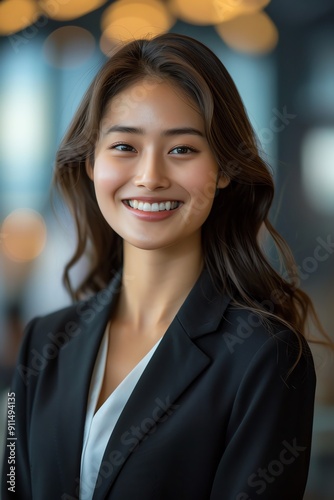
174, 365
76, 364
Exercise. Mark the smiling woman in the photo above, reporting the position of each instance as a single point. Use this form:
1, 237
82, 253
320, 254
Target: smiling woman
187, 373
154, 166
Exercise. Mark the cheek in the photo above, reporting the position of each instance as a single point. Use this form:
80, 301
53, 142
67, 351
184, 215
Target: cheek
202, 189
203, 185
107, 178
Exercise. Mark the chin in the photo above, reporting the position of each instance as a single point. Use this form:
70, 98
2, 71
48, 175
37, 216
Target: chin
146, 244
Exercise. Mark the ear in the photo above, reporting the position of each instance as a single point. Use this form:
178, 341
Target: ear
223, 181
89, 169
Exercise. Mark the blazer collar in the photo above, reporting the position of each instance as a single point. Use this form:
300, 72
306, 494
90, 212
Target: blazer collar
177, 362
204, 307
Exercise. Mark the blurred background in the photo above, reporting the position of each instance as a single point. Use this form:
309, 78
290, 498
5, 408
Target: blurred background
281, 56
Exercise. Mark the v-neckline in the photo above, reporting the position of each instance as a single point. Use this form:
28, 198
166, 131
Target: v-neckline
100, 425
99, 370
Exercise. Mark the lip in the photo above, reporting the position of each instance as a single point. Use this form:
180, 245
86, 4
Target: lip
151, 216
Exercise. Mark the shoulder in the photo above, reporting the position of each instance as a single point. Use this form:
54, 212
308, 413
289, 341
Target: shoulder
245, 326
251, 345
43, 339
57, 323
51, 342
62, 325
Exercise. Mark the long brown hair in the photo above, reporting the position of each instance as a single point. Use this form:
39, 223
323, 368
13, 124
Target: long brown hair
231, 239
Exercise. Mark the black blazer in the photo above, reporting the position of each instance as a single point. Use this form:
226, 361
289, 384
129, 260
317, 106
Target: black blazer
212, 417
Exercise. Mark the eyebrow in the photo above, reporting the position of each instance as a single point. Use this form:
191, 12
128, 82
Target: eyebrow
165, 133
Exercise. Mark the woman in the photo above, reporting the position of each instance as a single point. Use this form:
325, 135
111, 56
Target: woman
186, 375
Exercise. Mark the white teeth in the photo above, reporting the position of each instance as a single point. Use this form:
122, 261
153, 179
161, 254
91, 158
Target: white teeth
153, 207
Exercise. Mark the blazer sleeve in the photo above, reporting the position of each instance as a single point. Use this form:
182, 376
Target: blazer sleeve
268, 440
16, 480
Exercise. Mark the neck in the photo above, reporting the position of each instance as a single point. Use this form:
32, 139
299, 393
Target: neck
156, 282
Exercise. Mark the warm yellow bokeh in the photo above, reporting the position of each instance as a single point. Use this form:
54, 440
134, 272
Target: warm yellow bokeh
127, 29
64, 10
154, 12
127, 20
213, 11
251, 34
15, 15
23, 235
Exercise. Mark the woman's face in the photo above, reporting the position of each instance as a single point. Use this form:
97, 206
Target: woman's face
154, 173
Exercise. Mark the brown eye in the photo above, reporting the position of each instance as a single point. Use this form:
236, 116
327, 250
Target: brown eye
124, 147
183, 150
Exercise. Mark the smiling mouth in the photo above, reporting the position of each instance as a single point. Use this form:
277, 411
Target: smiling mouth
145, 206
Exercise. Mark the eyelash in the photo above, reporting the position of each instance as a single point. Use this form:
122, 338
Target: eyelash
114, 146
191, 149
183, 146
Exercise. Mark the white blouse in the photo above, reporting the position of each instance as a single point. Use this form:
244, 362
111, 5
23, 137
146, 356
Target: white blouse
99, 426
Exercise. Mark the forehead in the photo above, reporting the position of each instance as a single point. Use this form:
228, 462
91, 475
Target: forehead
152, 100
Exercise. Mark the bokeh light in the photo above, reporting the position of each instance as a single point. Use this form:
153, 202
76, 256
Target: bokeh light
23, 235
213, 11
69, 47
16, 15
130, 19
66, 10
252, 34
317, 154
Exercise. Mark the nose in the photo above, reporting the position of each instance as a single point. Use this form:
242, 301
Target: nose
151, 172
